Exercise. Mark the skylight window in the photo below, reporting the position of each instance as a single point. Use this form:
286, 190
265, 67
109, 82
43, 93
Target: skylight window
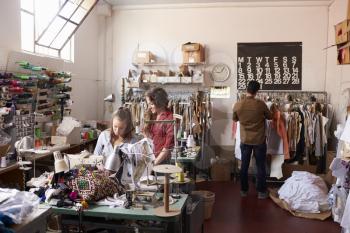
48, 26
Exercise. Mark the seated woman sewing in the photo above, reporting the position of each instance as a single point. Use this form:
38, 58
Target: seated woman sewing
110, 140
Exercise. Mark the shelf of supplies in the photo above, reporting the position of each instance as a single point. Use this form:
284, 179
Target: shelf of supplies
195, 64
170, 65
170, 83
149, 64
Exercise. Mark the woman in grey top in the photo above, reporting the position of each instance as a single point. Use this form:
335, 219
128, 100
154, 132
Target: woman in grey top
122, 131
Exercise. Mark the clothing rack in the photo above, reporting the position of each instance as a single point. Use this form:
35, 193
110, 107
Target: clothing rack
305, 96
297, 98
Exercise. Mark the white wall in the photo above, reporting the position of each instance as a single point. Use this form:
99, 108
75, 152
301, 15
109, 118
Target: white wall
220, 27
338, 76
84, 68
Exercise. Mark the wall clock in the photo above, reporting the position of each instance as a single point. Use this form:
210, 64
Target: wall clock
220, 72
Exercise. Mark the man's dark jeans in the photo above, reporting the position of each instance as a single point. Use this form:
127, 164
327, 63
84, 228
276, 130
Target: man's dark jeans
260, 158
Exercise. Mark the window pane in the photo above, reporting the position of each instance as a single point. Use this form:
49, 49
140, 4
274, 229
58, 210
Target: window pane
53, 52
50, 34
63, 36
27, 5
87, 4
72, 49
65, 52
79, 15
41, 49
27, 31
45, 11
68, 10
76, 2
46, 51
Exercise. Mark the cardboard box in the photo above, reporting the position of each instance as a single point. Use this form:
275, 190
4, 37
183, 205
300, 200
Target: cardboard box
221, 170
186, 79
162, 79
193, 53
74, 137
287, 169
143, 57
342, 32
173, 79
343, 56
198, 78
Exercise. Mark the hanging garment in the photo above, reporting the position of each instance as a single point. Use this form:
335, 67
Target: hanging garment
318, 136
238, 153
345, 222
279, 124
338, 196
346, 133
294, 129
234, 129
340, 168
274, 140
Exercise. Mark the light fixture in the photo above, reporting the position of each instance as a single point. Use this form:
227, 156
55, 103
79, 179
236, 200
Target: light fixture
110, 98
60, 163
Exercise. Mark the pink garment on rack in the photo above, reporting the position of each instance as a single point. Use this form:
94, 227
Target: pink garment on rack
279, 123
234, 129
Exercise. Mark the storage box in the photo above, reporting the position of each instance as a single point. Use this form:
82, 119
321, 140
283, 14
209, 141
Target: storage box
198, 77
186, 79
221, 170
173, 79
287, 169
143, 57
344, 54
162, 79
133, 84
193, 53
342, 32
74, 137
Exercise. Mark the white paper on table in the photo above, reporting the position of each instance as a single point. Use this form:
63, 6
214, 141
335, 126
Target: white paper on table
276, 166
346, 133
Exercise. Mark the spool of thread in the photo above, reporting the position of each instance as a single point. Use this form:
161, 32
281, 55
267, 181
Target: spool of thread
3, 162
4, 111
190, 141
180, 177
4, 89
91, 134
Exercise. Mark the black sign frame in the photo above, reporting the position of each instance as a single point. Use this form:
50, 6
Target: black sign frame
276, 65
